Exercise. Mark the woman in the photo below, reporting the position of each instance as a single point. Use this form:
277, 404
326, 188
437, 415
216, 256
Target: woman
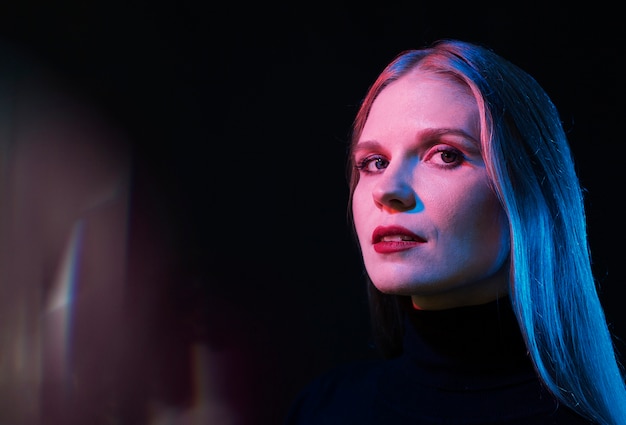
470, 220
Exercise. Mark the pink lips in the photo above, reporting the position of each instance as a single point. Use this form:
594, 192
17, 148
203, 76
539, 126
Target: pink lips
387, 240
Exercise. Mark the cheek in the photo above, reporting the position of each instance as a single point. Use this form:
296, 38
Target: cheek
359, 210
493, 220
503, 232
359, 201
475, 219
491, 231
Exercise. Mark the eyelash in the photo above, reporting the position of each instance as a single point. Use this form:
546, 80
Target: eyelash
363, 164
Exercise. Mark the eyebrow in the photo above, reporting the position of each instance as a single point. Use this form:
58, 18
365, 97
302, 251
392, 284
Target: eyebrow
430, 133
426, 134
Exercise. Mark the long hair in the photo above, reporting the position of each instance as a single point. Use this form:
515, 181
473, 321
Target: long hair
532, 172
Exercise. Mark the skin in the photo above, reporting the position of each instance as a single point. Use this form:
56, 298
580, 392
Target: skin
421, 168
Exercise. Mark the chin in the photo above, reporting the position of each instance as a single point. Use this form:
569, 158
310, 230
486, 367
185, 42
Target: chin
395, 288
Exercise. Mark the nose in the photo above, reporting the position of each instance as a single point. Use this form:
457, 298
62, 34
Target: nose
394, 191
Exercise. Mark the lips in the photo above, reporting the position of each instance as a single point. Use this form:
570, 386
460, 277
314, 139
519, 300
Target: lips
392, 239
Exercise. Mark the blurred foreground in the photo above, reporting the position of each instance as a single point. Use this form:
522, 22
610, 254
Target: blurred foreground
94, 325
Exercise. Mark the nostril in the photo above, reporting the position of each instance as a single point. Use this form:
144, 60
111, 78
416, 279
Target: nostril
404, 204
396, 203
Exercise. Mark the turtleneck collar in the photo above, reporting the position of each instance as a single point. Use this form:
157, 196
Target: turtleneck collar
467, 347
472, 358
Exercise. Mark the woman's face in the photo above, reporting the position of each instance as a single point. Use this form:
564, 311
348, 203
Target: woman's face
427, 221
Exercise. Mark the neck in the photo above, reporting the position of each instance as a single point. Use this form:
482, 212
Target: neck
468, 294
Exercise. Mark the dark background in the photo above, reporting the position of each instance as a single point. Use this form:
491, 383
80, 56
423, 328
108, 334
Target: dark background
239, 116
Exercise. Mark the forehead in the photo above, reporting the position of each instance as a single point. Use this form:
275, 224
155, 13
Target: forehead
421, 86
424, 99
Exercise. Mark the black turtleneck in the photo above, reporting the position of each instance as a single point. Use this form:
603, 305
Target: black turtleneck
461, 366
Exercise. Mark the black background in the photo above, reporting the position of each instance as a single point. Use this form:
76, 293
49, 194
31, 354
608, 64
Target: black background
239, 116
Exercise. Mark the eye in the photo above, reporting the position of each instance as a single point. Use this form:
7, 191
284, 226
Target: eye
446, 156
372, 164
